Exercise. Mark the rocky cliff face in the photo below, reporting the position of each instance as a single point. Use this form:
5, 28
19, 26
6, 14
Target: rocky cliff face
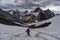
15, 13
44, 15
8, 16
38, 9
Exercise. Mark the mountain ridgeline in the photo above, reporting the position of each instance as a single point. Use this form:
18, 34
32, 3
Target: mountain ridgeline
22, 17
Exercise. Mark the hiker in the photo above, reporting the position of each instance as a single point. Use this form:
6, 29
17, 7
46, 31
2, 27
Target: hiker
28, 32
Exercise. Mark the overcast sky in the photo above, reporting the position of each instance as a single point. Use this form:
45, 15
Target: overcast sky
29, 4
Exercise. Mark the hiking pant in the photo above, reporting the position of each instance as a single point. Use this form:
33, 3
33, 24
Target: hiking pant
28, 33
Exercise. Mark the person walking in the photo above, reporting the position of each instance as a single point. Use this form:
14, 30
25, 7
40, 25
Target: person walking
28, 32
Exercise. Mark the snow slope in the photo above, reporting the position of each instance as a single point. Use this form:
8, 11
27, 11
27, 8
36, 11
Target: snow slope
52, 32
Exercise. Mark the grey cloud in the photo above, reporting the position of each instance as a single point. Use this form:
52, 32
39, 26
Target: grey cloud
28, 4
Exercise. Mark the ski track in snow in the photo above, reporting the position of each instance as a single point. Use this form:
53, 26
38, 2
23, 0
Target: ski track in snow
52, 32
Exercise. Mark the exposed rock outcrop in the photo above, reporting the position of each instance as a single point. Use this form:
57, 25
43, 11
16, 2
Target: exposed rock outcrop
37, 9
44, 15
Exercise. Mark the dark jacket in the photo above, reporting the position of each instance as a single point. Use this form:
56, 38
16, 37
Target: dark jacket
28, 30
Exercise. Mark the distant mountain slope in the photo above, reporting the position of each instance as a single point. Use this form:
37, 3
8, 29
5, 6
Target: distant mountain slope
8, 16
